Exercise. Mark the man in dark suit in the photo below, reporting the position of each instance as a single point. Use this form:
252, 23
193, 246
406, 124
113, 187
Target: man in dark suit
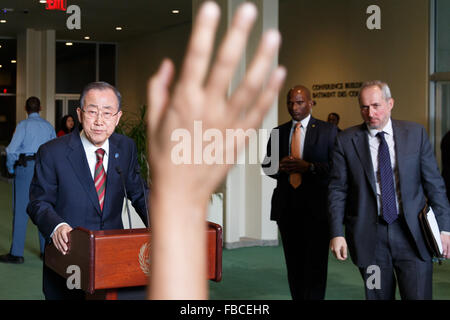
78, 179
304, 146
334, 118
384, 171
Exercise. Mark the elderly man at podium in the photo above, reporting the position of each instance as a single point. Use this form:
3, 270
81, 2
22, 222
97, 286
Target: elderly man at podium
81, 179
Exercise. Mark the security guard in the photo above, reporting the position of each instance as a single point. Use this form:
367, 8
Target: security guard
27, 138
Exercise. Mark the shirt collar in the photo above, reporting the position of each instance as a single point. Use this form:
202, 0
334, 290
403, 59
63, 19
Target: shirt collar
33, 115
304, 122
387, 129
89, 147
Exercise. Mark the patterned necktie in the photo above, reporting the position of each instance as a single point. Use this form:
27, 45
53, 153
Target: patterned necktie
388, 204
295, 179
100, 177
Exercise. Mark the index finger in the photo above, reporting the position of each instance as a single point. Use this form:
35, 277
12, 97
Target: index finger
200, 45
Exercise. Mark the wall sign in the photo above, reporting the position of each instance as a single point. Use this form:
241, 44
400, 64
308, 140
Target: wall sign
336, 90
56, 5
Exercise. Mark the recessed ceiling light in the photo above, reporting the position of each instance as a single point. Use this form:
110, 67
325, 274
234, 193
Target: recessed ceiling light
0, 65
42, 1
69, 43
2, 21
0, 45
13, 61
118, 28
175, 11
86, 38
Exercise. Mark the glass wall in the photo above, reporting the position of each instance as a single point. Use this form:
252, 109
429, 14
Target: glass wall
8, 53
76, 66
440, 77
442, 36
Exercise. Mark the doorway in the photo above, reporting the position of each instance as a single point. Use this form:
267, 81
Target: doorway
442, 114
66, 104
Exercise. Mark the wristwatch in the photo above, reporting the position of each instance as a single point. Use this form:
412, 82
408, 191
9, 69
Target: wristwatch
312, 168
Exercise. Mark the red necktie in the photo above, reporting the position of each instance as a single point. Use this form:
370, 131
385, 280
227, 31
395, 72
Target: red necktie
296, 178
100, 177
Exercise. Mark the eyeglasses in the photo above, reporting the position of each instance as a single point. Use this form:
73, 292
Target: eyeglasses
93, 113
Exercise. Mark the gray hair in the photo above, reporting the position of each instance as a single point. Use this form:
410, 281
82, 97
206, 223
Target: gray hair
100, 85
383, 86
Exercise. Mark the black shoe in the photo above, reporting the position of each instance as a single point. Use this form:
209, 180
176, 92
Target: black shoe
9, 258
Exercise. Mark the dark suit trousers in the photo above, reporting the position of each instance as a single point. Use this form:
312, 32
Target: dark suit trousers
305, 243
398, 261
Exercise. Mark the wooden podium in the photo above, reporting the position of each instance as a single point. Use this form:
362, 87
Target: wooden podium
112, 259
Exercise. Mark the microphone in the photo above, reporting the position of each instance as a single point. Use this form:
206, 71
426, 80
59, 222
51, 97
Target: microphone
138, 172
119, 171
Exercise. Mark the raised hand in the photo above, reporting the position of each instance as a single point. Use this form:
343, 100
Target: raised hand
180, 192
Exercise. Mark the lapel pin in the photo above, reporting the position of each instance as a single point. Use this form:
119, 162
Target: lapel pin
313, 126
116, 155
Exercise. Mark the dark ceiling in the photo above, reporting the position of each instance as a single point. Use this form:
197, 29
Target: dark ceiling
98, 18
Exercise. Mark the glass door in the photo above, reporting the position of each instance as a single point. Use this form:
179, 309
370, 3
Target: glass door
442, 114
66, 104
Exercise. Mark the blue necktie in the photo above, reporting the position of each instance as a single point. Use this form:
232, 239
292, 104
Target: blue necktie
388, 204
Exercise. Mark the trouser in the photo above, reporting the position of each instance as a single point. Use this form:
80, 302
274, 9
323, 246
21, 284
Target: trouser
306, 260
305, 238
21, 190
397, 261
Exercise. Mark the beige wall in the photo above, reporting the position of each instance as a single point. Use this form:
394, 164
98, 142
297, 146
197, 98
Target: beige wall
326, 41
139, 58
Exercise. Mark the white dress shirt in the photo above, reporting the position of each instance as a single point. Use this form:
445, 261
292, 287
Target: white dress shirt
91, 157
374, 143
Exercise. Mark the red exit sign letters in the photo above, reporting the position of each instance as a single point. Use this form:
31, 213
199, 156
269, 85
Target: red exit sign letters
56, 5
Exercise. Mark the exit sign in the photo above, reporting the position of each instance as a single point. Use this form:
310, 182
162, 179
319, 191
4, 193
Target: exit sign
56, 5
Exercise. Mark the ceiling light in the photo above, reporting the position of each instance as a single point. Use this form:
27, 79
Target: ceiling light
42, 1
0, 45
69, 43
2, 21
86, 38
13, 61
175, 11
0, 65
118, 28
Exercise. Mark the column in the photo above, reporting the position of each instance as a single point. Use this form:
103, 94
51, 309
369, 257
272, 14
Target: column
247, 192
36, 71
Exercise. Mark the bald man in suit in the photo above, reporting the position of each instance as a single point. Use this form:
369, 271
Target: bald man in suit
304, 146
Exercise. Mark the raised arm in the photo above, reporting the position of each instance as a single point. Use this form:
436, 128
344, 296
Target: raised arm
180, 192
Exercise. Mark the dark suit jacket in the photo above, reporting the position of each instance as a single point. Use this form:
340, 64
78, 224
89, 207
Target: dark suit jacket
319, 142
62, 189
352, 190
